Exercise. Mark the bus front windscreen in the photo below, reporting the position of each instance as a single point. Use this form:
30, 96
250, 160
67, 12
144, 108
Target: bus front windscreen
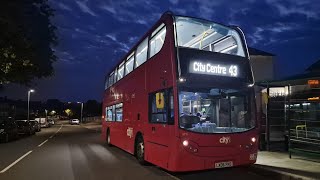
217, 110
208, 36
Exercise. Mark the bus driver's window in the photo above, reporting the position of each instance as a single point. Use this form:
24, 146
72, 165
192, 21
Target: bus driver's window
161, 107
158, 107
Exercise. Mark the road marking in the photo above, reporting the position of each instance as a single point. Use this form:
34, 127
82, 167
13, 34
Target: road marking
15, 162
59, 128
43, 143
26, 154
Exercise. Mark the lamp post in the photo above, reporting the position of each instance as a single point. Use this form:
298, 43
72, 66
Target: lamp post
29, 92
81, 110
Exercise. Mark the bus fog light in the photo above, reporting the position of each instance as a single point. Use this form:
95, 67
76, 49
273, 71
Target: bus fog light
185, 143
253, 139
192, 149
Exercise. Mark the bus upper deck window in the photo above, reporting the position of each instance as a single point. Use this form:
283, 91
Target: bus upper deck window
208, 36
141, 53
129, 64
120, 71
157, 40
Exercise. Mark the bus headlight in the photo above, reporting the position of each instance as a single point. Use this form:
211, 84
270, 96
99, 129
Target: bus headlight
253, 139
185, 143
190, 146
181, 79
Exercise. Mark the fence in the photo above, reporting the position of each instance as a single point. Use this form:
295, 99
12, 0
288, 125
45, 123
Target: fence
92, 119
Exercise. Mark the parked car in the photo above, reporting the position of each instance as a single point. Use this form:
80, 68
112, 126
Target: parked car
44, 122
8, 129
74, 121
51, 122
36, 125
25, 127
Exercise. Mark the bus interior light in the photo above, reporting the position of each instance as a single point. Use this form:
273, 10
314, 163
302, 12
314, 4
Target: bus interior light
250, 85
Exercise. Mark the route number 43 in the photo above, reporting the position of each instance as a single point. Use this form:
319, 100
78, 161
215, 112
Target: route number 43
233, 70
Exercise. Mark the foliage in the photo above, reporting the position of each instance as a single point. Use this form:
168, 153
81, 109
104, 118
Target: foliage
69, 112
26, 40
93, 108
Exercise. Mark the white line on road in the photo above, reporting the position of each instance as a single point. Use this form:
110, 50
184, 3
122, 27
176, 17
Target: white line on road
15, 162
43, 143
56, 132
59, 128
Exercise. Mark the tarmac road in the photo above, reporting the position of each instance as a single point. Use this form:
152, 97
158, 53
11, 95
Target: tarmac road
72, 152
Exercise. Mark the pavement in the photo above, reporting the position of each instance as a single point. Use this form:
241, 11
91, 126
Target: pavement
279, 163
74, 152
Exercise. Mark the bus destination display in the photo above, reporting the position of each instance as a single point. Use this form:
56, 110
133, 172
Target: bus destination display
214, 69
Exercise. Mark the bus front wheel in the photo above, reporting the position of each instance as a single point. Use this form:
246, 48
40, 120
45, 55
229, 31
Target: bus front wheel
140, 150
108, 138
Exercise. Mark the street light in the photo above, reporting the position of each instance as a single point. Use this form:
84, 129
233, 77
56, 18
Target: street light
29, 92
81, 110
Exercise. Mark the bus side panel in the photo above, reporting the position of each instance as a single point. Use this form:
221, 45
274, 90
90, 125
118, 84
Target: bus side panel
160, 75
135, 108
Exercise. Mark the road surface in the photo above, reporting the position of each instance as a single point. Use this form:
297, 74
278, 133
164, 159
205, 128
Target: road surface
72, 152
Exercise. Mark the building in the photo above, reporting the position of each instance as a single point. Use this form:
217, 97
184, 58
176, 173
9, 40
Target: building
262, 65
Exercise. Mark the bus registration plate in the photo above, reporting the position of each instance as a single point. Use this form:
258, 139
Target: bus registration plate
223, 164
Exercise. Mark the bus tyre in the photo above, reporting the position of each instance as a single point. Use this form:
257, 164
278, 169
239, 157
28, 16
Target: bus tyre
108, 138
140, 150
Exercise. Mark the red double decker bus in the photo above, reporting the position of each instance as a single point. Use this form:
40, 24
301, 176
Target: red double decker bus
183, 97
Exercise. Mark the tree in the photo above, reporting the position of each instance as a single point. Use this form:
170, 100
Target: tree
54, 105
26, 40
93, 108
68, 112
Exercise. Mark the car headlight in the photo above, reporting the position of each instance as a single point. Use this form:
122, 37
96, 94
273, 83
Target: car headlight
1, 130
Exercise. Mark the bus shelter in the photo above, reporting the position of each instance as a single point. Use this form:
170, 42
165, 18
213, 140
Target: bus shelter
290, 115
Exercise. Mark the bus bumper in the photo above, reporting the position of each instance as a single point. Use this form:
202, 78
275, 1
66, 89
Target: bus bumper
184, 160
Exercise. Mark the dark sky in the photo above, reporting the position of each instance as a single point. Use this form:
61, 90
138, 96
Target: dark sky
95, 34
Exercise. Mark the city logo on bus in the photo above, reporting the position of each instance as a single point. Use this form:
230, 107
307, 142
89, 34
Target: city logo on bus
225, 140
214, 69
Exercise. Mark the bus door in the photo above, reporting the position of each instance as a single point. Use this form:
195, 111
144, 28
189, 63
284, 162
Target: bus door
160, 129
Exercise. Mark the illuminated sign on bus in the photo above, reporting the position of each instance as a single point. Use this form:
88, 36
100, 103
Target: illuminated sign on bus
214, 69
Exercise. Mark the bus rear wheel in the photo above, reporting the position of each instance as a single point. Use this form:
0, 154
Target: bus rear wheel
108, 138
140, 151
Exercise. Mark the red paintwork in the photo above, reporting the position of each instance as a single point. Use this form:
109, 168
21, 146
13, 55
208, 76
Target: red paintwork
164, 146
